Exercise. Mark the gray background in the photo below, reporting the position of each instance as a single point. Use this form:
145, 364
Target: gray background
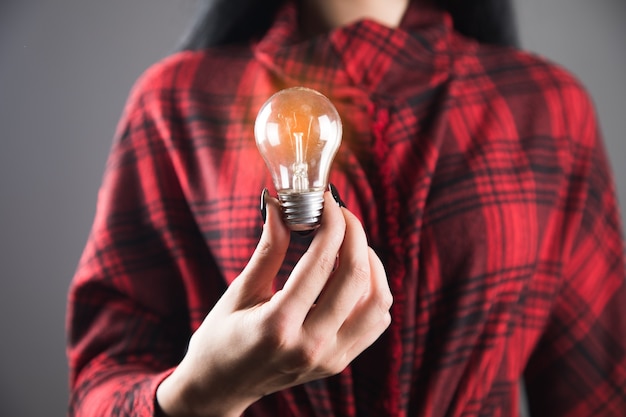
65, 71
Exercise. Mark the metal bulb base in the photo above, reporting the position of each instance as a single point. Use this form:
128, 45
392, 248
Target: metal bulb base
302, 212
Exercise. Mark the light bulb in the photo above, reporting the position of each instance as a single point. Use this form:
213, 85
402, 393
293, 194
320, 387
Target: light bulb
298, 132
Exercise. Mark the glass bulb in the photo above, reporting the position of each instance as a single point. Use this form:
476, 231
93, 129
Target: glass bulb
298, 132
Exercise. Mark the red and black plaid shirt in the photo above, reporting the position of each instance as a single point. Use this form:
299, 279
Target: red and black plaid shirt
481, 180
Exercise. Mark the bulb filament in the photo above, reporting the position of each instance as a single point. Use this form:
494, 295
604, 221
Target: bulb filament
299, 167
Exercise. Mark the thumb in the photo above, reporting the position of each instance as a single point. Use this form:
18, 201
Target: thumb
256, 280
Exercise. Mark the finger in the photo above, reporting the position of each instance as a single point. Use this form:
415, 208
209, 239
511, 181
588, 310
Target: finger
368, 337
311, 273
371, 316
349, 283
256, 280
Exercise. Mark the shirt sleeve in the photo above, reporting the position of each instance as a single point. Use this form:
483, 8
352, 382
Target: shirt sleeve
578, 367
128, 316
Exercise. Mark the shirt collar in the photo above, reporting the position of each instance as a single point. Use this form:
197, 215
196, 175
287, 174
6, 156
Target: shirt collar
366, 54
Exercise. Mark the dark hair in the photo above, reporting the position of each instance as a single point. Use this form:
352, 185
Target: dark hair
487, 21
222, 22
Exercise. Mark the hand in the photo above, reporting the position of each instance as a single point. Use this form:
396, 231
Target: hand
256, 341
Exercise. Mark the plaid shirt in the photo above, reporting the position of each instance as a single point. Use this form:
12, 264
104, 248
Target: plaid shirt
477, 171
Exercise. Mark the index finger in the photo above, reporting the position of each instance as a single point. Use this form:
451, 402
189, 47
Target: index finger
308, 278
350, 281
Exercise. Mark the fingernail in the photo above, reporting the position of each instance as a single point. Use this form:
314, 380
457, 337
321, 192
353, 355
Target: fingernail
335, 194
263, 207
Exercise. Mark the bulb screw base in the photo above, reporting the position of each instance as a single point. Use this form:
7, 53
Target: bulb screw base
302, 211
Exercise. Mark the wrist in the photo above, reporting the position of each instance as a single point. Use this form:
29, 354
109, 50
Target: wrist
178, 396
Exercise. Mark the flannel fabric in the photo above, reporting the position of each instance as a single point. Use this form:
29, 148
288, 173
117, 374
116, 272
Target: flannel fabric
478, 173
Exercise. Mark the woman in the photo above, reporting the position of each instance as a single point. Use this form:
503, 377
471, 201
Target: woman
478, 200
